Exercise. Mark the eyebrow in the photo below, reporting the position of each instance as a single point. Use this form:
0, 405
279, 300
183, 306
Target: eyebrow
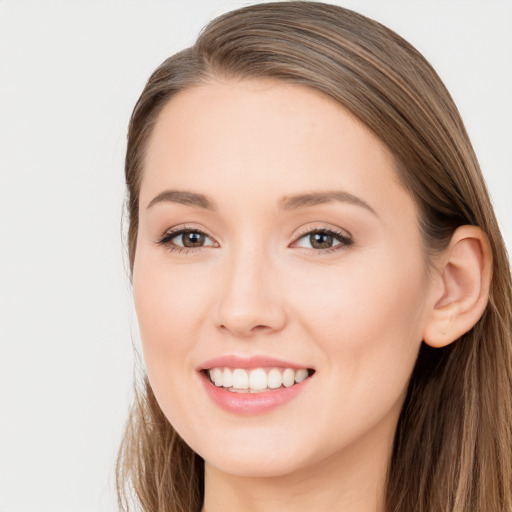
295, 202
287, 203
183, 197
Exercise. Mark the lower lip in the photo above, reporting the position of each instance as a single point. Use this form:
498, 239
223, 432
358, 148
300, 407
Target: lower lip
248, 404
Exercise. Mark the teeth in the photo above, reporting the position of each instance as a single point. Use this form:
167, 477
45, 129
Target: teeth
300, 375
217, 377
227, 378
274, 379
256, 380
240, 379
288, 378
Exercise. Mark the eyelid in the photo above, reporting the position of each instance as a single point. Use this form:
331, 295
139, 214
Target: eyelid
315, 227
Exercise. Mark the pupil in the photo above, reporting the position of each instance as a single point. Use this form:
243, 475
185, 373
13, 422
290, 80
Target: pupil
321, 240
193, 239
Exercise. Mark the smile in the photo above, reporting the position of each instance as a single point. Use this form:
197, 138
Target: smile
257, 380
253, 385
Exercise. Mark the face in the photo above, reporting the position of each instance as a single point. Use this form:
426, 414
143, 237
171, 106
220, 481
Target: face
277, 255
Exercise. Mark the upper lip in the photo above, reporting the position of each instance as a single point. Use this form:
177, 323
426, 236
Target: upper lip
259, 361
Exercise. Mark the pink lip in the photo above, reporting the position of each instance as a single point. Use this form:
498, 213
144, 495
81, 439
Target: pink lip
248, 404
248, 362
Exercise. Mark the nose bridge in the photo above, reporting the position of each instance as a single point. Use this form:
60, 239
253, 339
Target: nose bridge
248, 299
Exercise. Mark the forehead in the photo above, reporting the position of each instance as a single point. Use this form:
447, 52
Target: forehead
273, 137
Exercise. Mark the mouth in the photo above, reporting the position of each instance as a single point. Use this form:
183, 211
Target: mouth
256, 380
253, 385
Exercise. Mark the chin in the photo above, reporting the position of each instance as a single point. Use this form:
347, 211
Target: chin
257, 465
259, 452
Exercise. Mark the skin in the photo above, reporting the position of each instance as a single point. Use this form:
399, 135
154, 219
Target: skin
355, 313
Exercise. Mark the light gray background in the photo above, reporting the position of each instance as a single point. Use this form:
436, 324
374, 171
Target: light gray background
70, 73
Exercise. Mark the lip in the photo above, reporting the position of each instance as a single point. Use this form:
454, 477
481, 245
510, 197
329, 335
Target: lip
250, 362
249, 404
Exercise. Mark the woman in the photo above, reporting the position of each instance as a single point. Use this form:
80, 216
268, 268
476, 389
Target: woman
323, 293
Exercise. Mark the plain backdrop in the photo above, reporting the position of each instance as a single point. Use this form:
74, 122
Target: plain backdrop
70, 73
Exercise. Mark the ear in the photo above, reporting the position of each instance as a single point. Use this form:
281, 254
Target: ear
460, 290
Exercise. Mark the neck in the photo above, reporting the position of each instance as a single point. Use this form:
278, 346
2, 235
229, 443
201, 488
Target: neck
350, 481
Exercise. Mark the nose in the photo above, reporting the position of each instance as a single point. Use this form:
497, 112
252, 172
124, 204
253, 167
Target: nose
250, 300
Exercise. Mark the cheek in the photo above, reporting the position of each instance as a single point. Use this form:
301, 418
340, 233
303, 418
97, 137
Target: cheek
166, 301
167, 304
368, 318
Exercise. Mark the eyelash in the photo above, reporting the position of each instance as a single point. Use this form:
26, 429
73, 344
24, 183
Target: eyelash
343, 238
166, 238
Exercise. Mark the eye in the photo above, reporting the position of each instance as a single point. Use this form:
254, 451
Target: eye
186, 238
323, 240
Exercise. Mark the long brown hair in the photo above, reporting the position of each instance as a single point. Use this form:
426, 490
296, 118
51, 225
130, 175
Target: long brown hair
453, 444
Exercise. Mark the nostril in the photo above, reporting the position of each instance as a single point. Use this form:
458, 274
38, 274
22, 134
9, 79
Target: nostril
260, 327
244, 328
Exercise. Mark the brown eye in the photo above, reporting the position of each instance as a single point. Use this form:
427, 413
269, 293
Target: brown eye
321, 240
187, 239
192, 238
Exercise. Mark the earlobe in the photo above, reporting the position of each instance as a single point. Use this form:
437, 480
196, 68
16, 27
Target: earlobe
461, 291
